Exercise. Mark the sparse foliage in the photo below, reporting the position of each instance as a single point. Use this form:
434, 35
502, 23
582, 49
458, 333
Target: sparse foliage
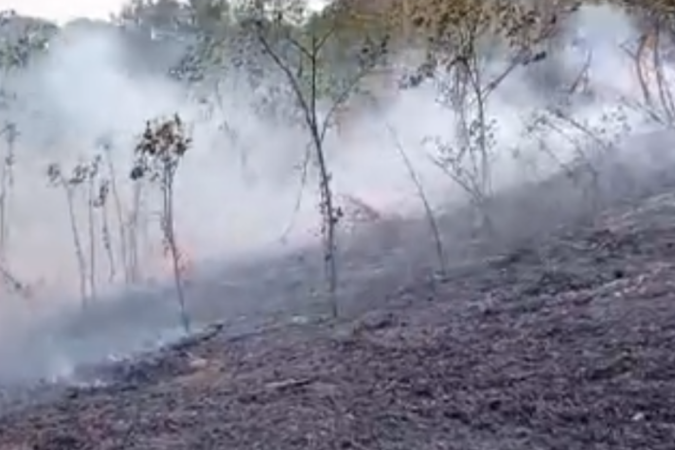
159, 152
328, 62
461, 36
301, 56
69, 182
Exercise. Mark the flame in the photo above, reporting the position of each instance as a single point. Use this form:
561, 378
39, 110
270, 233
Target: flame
647, 70
183, 258
358, 210
381, 86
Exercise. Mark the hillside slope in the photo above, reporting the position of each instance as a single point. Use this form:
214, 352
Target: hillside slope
560, 342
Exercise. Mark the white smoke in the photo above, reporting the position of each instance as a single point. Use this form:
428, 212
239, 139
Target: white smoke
84, 90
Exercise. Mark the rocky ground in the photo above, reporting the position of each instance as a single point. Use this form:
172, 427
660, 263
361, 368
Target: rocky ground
556, 340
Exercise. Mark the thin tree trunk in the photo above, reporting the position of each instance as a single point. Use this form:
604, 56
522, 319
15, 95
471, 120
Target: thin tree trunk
77, 243
107, 244
91, 222
120, 218
169, 235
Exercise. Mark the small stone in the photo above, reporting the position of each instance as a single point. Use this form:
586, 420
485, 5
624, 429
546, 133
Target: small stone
638, 417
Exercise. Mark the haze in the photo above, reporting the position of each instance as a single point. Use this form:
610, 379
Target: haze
64, 10
237, 197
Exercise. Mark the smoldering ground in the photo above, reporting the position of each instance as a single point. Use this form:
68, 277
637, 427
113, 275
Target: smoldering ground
237, 196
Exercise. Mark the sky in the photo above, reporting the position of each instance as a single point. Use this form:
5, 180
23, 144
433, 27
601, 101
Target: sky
62, 11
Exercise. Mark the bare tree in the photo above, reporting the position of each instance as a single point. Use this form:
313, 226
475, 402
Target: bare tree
6, 187
460, 35
101, 204
590, 144
92, 175
69, 183
421, 193
113, 190
10, 281
158, 155
649, 60
133, 226
302, 61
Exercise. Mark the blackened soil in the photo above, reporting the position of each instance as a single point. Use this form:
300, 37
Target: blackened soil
563, 342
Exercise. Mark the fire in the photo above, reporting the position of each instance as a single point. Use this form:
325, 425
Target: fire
358, 210
184, 260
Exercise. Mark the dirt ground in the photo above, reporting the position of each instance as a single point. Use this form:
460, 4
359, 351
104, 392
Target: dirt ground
566, 343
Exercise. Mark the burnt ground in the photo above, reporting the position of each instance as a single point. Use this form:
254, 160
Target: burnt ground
557, 339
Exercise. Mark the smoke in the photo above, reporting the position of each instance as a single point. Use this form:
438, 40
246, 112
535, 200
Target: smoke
237, 196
